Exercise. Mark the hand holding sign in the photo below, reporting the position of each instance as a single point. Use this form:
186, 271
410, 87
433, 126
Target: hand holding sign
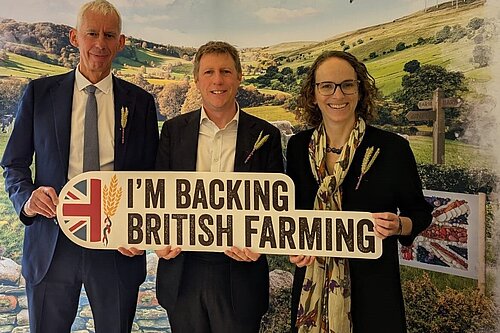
244, 214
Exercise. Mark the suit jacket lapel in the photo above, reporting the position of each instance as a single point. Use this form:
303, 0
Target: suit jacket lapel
62, 105
245, 140
187, 150
123, 98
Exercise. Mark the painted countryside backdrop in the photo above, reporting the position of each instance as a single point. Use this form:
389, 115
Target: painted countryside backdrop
446, 45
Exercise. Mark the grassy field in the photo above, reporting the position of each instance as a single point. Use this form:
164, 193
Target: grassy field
20, 66
272, 113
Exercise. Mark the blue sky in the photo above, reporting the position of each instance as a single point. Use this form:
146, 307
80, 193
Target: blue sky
241, 22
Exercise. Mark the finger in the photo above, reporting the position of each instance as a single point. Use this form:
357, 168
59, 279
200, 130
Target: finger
135, 251
125, 252
41, 204
48, 196
306, 261
296, 259
241, 254
51, 193
163, 252
230, 253
250, 254
379, 234
173, 253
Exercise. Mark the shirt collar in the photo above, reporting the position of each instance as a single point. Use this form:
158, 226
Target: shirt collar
235, 119
105, 85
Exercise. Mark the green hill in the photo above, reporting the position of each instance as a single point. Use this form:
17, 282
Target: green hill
382, 40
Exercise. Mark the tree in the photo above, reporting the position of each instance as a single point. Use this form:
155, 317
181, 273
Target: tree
443, 34
193, 99
420, 85
475, 23
10, 93
3, 56
171, 98
302, 70
400, 46
286, 71
412, 66
481, 55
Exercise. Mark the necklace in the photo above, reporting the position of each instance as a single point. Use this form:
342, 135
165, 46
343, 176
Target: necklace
333, 149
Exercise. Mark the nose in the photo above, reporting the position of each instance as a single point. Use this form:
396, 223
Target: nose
218, 78
337, 92
100, 41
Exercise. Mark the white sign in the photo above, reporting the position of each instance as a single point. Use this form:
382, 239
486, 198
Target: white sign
201, 211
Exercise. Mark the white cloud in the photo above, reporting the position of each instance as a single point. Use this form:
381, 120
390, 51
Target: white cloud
146, 19
279, 15
141, 3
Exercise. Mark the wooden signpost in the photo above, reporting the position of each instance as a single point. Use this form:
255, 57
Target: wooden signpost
437, 103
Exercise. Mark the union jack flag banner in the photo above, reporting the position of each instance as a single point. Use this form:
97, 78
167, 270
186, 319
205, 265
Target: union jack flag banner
81, 207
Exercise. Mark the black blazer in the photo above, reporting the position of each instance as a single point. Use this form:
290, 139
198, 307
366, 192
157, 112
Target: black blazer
42, 128
392, 183
178, 152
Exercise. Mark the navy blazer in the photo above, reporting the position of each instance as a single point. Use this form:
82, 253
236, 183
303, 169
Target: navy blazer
391, 184
42, 127
178, 152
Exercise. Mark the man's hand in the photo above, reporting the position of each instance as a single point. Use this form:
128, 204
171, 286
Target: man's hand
130, 252
242, 255
42, 201
168, 253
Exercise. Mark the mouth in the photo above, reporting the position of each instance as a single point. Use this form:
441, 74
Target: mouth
218, 92
99, 56
337, 106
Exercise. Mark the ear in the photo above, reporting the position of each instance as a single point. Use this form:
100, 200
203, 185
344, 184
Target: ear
73, 37
121, 42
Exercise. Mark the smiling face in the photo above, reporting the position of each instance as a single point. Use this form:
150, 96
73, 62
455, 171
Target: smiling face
218, 82
98, 39
336, 109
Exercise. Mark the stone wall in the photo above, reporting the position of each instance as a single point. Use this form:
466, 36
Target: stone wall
149, 318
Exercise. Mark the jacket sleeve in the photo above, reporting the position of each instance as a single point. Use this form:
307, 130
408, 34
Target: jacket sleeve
18, 156
412, 202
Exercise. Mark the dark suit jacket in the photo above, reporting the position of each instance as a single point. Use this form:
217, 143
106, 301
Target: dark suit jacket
178, 152
392, 183
42, 127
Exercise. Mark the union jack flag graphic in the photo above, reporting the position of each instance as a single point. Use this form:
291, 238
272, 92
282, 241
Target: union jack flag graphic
81, 208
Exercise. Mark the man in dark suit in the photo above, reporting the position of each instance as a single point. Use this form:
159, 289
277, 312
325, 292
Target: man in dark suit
50, 125
216, 292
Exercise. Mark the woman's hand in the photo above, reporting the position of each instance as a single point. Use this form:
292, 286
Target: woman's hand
387, 224
301, 260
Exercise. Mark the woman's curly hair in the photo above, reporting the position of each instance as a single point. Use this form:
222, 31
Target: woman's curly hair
309, 111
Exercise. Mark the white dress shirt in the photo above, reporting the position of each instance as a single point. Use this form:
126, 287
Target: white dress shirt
216, 146
106, 123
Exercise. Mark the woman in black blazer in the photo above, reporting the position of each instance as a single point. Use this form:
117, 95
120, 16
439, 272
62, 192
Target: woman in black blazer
344, 164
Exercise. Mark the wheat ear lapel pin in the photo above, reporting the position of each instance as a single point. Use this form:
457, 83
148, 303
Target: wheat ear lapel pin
368, 160
260, 141
123, 121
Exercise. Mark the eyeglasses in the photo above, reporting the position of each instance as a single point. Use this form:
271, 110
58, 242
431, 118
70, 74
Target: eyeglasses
348, 87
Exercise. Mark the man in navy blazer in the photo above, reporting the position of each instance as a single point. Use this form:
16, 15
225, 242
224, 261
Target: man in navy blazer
216, 292
49, 125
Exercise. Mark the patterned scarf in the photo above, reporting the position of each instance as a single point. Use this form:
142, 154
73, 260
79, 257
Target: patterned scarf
325, 301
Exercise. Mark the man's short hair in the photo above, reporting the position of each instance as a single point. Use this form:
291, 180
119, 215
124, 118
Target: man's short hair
101, 7
216, 47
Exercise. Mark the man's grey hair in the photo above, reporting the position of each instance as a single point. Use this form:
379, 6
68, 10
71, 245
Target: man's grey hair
101, 7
